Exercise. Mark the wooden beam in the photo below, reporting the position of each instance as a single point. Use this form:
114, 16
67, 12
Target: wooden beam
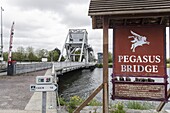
105, 65
125, 20
143, 21
169, 37
161, 20
93, 22
161, 105
89, 99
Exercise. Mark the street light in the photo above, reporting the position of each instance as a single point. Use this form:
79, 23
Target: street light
1, 58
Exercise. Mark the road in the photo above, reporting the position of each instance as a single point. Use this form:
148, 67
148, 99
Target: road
14, 90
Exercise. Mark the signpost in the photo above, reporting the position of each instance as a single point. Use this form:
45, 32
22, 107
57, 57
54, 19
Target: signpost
44, 84
139, 57
41, 88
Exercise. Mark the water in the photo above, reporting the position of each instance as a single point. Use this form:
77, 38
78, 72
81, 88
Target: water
84, 82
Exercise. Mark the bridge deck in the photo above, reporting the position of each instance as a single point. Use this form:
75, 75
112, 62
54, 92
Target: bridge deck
64, 67
60, 67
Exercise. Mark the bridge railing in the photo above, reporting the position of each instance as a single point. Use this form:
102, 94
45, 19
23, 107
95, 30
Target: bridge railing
68, 64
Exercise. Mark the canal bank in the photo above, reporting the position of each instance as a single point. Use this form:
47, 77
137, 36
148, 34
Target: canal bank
84, 82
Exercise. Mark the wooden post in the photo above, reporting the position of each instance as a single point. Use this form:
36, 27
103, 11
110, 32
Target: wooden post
105, 65
169, 37
161, 105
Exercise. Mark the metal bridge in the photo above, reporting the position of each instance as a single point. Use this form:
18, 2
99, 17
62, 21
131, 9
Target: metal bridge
76, 47
79, 55
64, 67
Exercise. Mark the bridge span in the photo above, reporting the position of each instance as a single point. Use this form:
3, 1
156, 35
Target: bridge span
60, 67
79, 55
64, 67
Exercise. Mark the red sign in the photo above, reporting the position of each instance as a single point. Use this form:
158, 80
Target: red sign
139, 51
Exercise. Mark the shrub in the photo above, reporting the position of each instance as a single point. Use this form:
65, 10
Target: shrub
62, 102
94, 102
118, 108
168, 60
99, 65
73, 103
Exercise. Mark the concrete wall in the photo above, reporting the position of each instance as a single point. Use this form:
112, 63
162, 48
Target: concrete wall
25, 68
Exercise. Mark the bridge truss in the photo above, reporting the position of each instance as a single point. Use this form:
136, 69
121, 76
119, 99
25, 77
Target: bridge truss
77, 47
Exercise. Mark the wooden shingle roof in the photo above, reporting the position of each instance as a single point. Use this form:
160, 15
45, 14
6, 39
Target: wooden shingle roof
127, 12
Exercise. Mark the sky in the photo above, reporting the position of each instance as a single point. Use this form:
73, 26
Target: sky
44, 24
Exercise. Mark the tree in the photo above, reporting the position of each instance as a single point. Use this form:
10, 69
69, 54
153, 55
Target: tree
20, 54
5, 56
30, 54
77, 57
42, 53
168, 60
110, 58
54, 55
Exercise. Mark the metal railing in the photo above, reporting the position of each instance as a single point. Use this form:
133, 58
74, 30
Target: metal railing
68, 64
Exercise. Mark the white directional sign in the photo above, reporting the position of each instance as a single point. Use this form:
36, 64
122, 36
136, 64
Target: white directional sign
41, 88
44, 80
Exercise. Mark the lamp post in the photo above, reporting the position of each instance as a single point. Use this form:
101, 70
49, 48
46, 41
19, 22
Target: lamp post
1, 36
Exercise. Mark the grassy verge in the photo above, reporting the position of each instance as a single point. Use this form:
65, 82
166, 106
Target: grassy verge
139, 105
75, 101
119, 107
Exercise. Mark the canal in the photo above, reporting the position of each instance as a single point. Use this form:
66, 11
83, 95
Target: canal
82, 83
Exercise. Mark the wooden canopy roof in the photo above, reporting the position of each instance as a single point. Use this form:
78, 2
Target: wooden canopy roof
130, 12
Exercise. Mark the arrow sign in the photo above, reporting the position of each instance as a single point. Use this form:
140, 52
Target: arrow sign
41, 88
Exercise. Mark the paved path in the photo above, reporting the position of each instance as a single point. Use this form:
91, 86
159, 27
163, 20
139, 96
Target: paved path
14, 90
35, 103
16, 97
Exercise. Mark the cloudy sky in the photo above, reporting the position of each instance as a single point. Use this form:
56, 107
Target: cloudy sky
44, 24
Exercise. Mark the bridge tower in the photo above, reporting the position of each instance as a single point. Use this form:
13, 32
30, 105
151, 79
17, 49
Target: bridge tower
77, 47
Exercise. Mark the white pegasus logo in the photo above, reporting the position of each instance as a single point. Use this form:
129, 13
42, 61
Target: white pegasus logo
138, 40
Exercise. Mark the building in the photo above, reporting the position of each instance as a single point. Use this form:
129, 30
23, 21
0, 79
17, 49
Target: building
100, 58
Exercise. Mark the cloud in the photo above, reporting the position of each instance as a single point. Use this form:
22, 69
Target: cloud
77, 16
45, 23
71, 12
56, 5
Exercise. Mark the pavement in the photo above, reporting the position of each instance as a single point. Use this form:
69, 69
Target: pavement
35, 103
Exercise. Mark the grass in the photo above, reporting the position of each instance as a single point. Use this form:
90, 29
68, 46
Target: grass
119, 107
139, 105
75, 101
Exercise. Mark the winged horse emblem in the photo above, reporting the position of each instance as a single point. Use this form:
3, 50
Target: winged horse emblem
138, 40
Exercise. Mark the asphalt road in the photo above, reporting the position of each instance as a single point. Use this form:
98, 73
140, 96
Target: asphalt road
14, 90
